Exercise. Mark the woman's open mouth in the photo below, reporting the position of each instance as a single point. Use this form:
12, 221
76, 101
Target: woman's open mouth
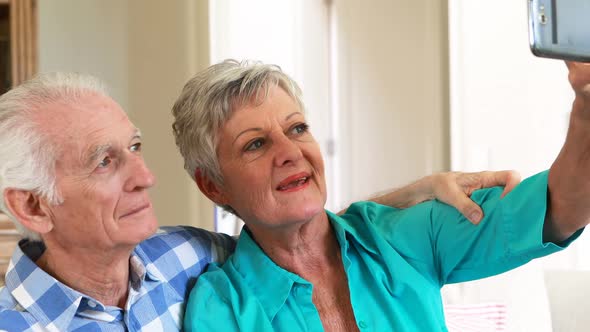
294, 183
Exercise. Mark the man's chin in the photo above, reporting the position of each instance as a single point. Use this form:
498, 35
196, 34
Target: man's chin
140, 231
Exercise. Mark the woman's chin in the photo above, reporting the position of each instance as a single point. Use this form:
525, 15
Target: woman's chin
310, 212
297, 215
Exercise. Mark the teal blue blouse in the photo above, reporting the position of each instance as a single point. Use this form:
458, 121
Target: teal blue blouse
396, 262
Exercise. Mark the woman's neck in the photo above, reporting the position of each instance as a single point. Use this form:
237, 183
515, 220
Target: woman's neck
304, 248
103, 276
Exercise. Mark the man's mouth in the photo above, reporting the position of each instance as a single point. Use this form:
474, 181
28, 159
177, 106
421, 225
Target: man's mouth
137, 209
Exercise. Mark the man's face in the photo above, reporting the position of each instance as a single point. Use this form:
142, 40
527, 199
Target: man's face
101, 176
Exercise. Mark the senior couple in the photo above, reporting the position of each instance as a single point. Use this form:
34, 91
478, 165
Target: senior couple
74, 182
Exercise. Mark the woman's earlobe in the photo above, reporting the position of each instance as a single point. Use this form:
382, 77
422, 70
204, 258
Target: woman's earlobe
209, 188
29, 209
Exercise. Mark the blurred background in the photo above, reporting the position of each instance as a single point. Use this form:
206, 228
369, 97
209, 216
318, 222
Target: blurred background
395, 90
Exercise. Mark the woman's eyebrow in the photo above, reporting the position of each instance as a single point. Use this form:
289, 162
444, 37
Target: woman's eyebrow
291, 115
245, 131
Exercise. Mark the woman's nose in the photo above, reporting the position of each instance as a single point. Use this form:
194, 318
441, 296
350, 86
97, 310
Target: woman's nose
286, 151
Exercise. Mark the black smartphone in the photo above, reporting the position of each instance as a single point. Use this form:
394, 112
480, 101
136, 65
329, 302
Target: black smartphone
560, 29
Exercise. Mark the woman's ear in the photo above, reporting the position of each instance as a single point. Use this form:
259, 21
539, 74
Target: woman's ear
210, 189
30, 210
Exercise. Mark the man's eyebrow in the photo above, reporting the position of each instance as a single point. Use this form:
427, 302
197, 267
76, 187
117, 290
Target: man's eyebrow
97, 152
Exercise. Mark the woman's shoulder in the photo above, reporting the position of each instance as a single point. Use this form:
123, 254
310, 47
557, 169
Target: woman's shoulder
218, 273
215, 287
213, 292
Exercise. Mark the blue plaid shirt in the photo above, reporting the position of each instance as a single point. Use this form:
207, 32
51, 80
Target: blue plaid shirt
163, 269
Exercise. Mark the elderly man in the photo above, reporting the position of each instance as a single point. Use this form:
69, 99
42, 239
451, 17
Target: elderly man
72, 175
74, 181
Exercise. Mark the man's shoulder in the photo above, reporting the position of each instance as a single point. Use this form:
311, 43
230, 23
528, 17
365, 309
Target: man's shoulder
12, 316
189, 244
178, 235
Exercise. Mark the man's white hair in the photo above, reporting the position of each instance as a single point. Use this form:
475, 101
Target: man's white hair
27, 155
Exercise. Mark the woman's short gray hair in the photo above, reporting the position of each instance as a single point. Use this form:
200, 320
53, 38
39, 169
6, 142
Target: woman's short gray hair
27, 155
208, 100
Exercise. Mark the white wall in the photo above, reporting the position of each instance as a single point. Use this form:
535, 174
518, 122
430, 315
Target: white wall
509, 108
392, 90
75, 36
167, 45
145, 51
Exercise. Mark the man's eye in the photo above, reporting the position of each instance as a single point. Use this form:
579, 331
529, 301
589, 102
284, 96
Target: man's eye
136, 147
254, 145
105, 162
300, 128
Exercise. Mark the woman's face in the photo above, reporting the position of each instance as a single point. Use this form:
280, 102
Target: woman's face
272, 166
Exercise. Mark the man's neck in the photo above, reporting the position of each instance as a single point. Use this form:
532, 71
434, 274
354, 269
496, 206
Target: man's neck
104, 277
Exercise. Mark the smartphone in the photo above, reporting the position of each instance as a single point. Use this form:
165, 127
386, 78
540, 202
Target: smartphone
560, 29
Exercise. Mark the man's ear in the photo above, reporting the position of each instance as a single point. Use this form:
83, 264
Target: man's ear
210, 189
30, 210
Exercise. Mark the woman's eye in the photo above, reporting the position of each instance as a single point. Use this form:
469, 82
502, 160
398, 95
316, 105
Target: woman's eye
136, 147
300, 128
255, 145
105, 162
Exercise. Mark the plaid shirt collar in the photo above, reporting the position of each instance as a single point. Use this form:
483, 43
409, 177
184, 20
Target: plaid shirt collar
53, 303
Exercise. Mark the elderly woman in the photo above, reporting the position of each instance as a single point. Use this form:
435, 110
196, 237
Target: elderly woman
298, 267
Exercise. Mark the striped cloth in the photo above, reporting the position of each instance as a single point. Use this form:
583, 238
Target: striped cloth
484, 317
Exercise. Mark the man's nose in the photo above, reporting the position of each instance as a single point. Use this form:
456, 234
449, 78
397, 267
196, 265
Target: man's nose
140, 176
